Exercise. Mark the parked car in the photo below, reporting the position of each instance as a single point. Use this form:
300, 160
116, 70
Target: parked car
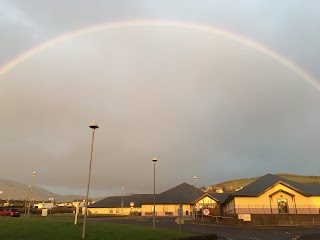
12, 212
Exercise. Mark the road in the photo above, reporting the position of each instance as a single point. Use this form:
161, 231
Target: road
223, 232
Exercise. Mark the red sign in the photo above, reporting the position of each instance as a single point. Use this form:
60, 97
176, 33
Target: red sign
206, 211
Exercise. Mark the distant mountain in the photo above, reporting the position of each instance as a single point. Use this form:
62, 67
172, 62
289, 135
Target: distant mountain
19, 191
233, 185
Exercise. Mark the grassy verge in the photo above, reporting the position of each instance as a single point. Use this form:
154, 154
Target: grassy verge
52, 229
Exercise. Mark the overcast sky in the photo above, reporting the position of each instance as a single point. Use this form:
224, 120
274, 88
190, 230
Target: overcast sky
201, 102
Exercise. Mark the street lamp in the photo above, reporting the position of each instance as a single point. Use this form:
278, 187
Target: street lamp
93, 126
154, 191
195, 188
195, 195
27, 201
51, 201
30, 191
122, 201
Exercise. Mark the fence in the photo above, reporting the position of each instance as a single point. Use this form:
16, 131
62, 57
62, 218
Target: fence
267, 209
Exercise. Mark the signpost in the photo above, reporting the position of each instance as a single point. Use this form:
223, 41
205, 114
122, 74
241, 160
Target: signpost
206, 212
180, 219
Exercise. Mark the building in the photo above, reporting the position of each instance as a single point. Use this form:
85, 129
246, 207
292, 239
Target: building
112, 205
43, 205
167, 203
271, 194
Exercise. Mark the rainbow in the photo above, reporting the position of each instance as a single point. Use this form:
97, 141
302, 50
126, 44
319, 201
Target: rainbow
167, 23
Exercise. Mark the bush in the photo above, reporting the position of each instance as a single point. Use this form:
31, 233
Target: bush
135, 213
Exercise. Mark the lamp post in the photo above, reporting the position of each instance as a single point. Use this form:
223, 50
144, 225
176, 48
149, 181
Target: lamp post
122, 201
195, 195
93, 126
27, 201
51, 201
30, 192
195, 188
154, 191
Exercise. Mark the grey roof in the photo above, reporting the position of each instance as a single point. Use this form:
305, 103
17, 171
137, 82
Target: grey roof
263, 183
311, 189
183, 193
221, 197
115, 201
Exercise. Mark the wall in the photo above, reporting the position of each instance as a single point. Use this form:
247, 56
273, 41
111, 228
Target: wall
113, 211
271, 220
165, 209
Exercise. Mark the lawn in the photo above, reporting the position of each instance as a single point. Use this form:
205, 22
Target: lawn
52, 229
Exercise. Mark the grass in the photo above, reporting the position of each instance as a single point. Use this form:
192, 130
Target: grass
53, 229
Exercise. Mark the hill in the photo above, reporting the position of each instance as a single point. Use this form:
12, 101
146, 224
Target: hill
19, 191
233, 185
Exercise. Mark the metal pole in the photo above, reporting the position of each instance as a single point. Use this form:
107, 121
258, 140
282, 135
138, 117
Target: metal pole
93, 127
154, 192
27, 202
195, 196
30, 190
122, 202
195, 188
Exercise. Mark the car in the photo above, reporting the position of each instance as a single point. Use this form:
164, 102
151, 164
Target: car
12, 212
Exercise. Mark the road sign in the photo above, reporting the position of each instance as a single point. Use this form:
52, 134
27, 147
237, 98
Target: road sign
206, 211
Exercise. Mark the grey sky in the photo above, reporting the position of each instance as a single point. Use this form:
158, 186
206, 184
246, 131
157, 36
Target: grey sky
203, 104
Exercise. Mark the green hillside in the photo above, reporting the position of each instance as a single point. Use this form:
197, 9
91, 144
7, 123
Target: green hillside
232, 185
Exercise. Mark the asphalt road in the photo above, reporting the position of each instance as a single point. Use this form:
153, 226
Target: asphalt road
224, 232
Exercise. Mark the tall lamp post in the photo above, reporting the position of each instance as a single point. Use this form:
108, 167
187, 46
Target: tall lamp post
154, 191
51, 201
195, 195
122, 201
93, 126
30, 191
27, 201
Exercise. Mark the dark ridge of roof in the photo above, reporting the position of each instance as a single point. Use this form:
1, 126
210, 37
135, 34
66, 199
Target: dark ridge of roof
220, 196
183, 193
260, 185
115, 201
312, 189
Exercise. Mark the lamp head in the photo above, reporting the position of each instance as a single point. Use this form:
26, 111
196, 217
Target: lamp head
93, 125
194, 177
154, 159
